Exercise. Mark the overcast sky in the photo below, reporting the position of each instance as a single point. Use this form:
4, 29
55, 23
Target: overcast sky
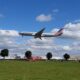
31, 16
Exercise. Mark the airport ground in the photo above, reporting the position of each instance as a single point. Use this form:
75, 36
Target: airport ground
39, 70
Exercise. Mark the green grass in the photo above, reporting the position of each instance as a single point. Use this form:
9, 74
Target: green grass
39, 70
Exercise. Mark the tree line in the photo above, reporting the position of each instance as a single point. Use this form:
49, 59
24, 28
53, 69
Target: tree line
28, 54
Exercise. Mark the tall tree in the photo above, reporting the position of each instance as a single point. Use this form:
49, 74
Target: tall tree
66, 56
28, 54
49, 55
4, 53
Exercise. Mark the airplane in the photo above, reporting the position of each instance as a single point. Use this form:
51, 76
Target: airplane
40, 34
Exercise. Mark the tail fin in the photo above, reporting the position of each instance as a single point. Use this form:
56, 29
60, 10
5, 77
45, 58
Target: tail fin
60, 32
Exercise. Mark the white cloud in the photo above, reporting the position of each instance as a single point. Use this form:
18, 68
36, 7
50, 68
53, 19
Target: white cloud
9, 33
76, 45
37, 43
9, 40
44, 18
72, 26
68, 48
12, 44
72, 30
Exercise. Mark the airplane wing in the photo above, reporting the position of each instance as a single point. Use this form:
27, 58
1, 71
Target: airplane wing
40, 33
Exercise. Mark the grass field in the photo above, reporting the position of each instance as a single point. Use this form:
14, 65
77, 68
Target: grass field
39, 70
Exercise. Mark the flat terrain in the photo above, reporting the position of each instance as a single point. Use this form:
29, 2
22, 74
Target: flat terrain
39, 70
